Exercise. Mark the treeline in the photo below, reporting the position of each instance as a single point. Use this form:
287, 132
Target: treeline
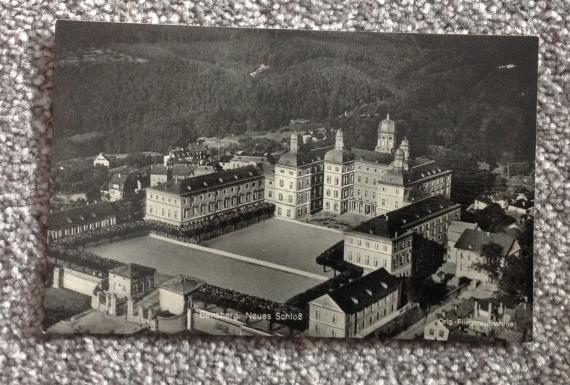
198, 84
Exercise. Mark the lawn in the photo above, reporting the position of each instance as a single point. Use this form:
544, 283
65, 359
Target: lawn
172, 259
61, 304
278, 241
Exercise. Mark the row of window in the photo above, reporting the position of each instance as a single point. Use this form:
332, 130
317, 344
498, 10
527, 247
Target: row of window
398, 260
209, 195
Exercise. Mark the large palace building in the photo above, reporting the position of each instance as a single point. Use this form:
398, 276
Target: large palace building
330, 179
200, 197
341, 180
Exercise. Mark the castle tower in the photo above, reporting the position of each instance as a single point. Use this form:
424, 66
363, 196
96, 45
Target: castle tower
386, 136
400, 162
338, 177
294, 145
339, 141
405, 145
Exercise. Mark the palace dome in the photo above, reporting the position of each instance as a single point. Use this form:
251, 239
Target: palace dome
387, 126
339, 156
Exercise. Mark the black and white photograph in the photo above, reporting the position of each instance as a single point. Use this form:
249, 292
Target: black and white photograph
266, 182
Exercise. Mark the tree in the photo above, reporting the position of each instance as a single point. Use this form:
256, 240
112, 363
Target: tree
493, 260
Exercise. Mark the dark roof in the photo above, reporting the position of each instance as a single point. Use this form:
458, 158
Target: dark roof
372, 156
398, 221
158, 169
182, 169
226, 158
268, 169
523, 204
80, 215
364, 291
133, 271
182, 284
208, 181
296, 159
119, 179
474, 240
424, 170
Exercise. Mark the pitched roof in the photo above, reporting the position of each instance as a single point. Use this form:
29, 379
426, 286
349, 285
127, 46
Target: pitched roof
182, 284
80, 215
474, 240
372, 156
208, 181
182, 169
119, 179
296, 159
105, 156
365, 291
133, 271
424, 170
398, 221
158, 169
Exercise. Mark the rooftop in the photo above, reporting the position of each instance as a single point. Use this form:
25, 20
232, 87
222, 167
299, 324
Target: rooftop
365, 291
208, 181
158, 169
475, 240
372, 156
296, 159
133, 271
398, 221
182, 284
182, 169
79, 215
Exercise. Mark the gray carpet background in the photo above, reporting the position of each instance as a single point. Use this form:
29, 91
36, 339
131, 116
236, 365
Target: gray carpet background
26, 76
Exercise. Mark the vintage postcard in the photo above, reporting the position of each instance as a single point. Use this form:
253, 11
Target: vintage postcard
221, 181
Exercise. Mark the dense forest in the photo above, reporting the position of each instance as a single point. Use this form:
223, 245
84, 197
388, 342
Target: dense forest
125, 88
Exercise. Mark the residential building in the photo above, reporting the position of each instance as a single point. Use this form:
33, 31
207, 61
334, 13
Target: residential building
454, 232
77, 220
472, 247
121, 185
181, 171
158, 174
449, 322
102, 160
396, 241
298, 185
356, 309
201, 197
243, 160
131, 280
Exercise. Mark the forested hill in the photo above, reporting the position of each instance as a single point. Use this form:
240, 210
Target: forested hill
124, 88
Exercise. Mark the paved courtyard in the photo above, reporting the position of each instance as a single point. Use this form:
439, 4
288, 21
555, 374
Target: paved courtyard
288, 243
170, 258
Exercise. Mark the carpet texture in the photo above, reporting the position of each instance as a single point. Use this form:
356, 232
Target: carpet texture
26, 76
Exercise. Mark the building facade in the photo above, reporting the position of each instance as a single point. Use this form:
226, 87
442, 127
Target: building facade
102, 160
131, 280
77, 220
454, 232
361, 181
472, 247
158, 174
204, 196
394, 241
356, 309
298, 182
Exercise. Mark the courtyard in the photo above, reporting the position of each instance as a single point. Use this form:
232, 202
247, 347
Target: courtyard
283, 242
